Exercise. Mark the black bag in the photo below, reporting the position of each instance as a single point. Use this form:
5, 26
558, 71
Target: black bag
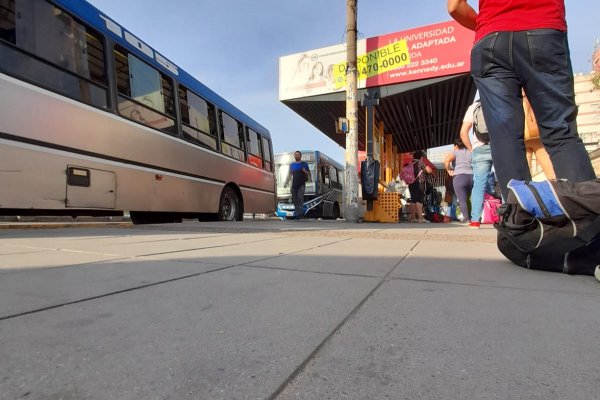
432, 201
551, 226
479, 125
369, 174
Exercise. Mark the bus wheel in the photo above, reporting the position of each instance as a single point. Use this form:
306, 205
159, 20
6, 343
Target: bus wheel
336, 211
230, 206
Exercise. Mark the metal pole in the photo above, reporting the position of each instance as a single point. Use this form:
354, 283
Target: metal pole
369, 102
351, 182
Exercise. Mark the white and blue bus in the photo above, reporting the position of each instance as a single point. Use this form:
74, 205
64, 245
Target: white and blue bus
323, 195
93, 121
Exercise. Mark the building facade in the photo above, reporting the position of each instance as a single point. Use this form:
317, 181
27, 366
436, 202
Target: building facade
588, 118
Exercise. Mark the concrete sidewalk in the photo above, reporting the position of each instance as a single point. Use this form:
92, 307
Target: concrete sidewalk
288, 310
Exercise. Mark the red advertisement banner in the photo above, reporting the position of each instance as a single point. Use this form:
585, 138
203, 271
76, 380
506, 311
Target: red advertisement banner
434, 50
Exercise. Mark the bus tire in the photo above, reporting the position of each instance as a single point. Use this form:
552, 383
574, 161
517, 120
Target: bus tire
230, 206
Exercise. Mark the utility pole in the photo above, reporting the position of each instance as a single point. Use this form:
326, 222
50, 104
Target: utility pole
351, 181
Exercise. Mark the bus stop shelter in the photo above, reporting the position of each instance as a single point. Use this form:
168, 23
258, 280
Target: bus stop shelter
420, 77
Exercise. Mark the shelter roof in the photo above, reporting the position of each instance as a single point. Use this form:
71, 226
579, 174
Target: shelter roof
421, 77
419, 115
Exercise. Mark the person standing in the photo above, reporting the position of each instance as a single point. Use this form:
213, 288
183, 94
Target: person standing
522, 44
533, 144
458, 165
420, 168
450, 198
481, 162
299, 174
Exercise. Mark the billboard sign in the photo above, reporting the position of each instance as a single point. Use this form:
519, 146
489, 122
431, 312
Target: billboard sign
426, 52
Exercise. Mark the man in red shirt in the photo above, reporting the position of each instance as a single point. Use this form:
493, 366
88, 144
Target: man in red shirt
523, 44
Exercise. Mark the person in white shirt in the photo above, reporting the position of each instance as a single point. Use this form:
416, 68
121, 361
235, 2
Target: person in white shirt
481, 160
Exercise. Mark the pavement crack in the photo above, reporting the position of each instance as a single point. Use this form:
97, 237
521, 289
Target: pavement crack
221, 268
336, 329
479, 285
131, 289
310, 271
208, 247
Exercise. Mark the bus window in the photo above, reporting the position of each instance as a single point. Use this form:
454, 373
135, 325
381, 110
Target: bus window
311, 184
198, 117
337, 177
145, 94
7, 21
333, 176
281, 174
145, 84
267, 154
325, 174
254, 156
69, 56
232, 143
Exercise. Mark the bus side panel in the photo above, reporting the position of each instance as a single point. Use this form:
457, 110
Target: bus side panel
258, 202
32, 114
42, 184
334, 196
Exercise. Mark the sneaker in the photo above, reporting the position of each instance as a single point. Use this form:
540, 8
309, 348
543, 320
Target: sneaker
597, 273
474, 224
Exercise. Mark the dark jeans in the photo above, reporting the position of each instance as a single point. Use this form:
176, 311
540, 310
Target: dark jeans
298, 200
463, 184
539, 61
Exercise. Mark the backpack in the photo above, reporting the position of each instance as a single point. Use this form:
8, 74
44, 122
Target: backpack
479, 125
551, 226
369, 177
407, 174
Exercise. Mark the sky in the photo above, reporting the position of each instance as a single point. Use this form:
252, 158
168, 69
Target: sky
233, 46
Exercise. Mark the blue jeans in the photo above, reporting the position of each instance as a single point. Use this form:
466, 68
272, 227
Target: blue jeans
539, 61
481, 160
452, 209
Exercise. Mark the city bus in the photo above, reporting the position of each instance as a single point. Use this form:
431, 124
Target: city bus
323, 196
94, 121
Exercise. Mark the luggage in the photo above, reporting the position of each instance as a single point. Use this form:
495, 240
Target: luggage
369, 173
432, 204
552, 226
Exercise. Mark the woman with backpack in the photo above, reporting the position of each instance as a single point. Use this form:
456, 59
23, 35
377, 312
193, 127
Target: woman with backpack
481, 159
413, 174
